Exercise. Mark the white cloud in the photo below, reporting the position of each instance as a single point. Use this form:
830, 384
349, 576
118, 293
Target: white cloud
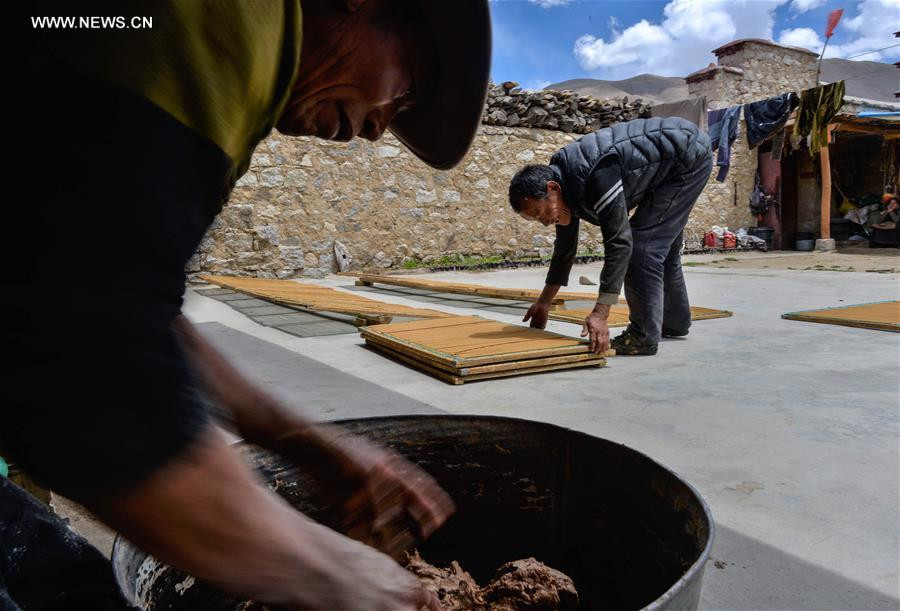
626, 48
682, 42
801, 6
873, 26
614, 24
549, 3
801, 37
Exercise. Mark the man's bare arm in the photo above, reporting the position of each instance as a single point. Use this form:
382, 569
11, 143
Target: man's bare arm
207, 514
373, 484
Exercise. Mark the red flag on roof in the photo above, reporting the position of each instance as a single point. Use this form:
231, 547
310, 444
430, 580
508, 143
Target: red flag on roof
833, 18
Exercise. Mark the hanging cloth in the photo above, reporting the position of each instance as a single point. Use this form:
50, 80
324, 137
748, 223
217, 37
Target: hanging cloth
723, 130
818, 106
767, 117
692, 109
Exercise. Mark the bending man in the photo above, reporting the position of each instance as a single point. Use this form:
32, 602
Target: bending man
657, 167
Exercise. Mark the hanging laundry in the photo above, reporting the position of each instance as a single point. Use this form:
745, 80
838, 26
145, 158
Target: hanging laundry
818, 106
766, 117
723, 130
692, 109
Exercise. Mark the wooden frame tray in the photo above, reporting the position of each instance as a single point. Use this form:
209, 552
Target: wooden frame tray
486, 372
322, 298
470, 289
469, 341
618, 315
879, 315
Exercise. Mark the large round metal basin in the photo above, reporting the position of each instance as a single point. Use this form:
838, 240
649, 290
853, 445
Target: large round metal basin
627, 530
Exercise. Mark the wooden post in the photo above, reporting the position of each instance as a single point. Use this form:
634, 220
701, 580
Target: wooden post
825, 164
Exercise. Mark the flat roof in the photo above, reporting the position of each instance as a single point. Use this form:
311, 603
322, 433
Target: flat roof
710, 71
732, 46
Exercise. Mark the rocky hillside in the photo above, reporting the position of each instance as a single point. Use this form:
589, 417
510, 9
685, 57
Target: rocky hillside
871, 80
649, 87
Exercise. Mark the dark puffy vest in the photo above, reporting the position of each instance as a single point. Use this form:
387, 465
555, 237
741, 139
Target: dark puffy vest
648, 152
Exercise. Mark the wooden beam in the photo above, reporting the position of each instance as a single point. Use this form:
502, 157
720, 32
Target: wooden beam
864, 128
888, 132
825, 164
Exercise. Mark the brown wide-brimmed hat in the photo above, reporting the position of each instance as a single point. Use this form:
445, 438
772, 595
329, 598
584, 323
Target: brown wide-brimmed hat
439, 129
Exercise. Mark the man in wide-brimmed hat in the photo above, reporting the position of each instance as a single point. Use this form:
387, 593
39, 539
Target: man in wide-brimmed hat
148, 121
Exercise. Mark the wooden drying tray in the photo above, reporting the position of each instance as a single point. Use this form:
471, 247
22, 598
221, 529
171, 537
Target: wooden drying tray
618, 315
458, 342
471, 289
321, 298
487, 372
880, 315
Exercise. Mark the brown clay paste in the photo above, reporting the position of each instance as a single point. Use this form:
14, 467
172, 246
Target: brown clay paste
521, 585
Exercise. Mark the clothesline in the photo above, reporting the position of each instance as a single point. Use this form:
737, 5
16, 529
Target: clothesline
766, 119
874, 51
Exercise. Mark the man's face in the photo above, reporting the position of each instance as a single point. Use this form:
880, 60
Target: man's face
355, 73
550, 210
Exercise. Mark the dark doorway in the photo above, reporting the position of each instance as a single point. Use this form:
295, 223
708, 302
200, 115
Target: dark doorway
789, 200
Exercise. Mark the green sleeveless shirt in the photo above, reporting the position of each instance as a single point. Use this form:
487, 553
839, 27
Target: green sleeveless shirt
223, 68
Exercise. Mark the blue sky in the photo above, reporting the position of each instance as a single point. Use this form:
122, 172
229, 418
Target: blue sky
537, 42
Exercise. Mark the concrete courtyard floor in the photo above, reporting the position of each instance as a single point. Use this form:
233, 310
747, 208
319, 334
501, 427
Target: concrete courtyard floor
789, 430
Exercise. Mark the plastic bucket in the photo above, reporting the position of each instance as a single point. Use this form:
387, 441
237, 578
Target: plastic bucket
764, 233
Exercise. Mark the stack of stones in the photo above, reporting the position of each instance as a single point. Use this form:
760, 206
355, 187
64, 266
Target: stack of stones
511, 106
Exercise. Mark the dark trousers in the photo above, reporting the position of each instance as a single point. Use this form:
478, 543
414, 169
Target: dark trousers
654, 284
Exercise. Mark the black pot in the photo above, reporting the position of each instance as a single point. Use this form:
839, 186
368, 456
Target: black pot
629, 532
840, 229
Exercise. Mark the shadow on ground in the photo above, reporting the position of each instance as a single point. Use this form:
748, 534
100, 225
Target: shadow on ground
321, 391
744, 573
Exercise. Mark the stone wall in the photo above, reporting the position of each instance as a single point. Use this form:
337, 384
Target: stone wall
718, 85
510, 106
384, 205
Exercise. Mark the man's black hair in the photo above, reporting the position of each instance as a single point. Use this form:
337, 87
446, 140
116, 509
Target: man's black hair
530, 181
